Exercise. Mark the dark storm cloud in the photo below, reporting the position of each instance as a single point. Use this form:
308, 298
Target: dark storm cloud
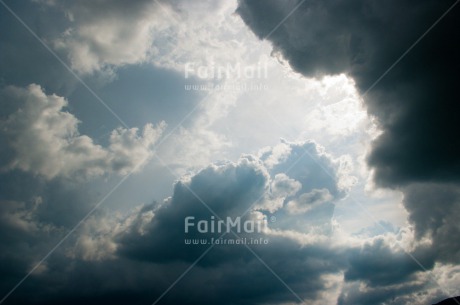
407, 293
416, 103
378, 265
124, 281
34, 216
381, 273
434, 210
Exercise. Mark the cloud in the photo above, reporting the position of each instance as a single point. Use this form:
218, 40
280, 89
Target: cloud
147, 245
434, 210
308, 201
108, 33
120, 257
414, 106
415, 103
43, 139
281, 188
156, 233
105, 35
319, 175
228, 190
378, 265
419, 289
394, 295
24, 237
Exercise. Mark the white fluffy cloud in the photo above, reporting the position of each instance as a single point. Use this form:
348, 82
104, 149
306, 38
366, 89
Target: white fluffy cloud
45, 139
96, 42
104, 35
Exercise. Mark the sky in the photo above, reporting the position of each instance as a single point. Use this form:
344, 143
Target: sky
229, 152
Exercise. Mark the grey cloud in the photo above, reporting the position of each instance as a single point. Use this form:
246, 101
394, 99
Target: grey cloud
243, 282
378, 265
407, 293
24, 238
434, 210
34, 215
381, 272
